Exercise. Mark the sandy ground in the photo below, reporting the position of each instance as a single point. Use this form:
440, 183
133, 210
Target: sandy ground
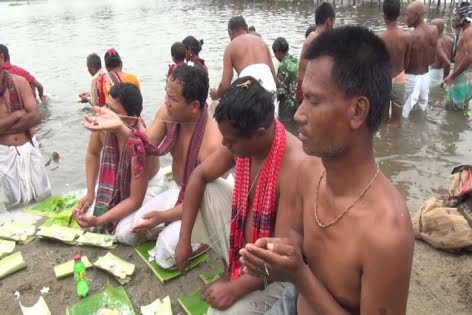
441, 283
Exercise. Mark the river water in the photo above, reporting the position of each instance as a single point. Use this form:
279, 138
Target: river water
52, 39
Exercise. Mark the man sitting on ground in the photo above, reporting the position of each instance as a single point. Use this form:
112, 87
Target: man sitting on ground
116, 160
265, 157
352, 247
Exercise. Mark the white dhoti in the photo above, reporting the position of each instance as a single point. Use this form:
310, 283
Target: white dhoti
435, 77
215, 212
262, 72
417, 89
23, 176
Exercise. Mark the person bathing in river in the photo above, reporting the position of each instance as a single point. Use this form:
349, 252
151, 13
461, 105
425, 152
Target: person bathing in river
193, 48
398, 45
441, 66
424, 40
116, 160
114, 75
351, 248
23, 177
178, 53
265, 157
249, 56
324, 20
94, 66
13, 69
459, 82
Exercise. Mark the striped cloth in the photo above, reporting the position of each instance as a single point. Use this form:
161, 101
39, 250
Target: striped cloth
459, 93
264, 207
8, 84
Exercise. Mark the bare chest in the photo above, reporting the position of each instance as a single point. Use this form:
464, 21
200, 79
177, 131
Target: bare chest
332, 254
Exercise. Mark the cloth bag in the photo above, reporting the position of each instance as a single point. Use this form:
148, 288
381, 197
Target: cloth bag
446, 222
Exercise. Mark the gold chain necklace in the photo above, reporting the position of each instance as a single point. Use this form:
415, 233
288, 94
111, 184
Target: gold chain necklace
348, 208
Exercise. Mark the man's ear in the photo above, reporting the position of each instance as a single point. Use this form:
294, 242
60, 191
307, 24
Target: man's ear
358, 112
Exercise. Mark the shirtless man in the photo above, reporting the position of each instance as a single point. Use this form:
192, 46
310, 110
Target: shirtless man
423, 39
459, 82
23, 177
185, 103
13, 69
398, 45
441, 65
324, 20
357, 237
248, 55
265, 157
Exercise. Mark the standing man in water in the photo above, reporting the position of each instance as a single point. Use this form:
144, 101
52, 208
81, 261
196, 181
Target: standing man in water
249, 56
13, 69
94, 66
398, 46
459, 82
441, 66
23, 177
324, 20
424, 39
354, 248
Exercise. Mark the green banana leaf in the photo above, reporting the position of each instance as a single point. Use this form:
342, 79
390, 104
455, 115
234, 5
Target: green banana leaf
59, 233
40, 308
158, 307
193, 304
115, 266
163, 274
63, 218
11, 264
18, 232
55, 204
112, 298
214, 274
67, 268
6, 247
98, 240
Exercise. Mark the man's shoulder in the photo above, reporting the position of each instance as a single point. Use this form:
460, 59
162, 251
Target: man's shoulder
388, 216
18, 80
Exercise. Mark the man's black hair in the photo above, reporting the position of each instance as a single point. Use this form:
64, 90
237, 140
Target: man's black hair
247, 106
129, 96
237, 23
361, 66
391, 9
193, 44
310, 29
4, 51
177, 50
280, 44
93, 60
194, 83
112, 59
324, 12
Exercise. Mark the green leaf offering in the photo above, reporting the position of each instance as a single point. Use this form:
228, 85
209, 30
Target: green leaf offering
6, 247
158, 307
113, 300
18, 232
40, 308
67, 268
59, 233
115, 266
11, 264
163, 274
55, 204
193, 304
98, 240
